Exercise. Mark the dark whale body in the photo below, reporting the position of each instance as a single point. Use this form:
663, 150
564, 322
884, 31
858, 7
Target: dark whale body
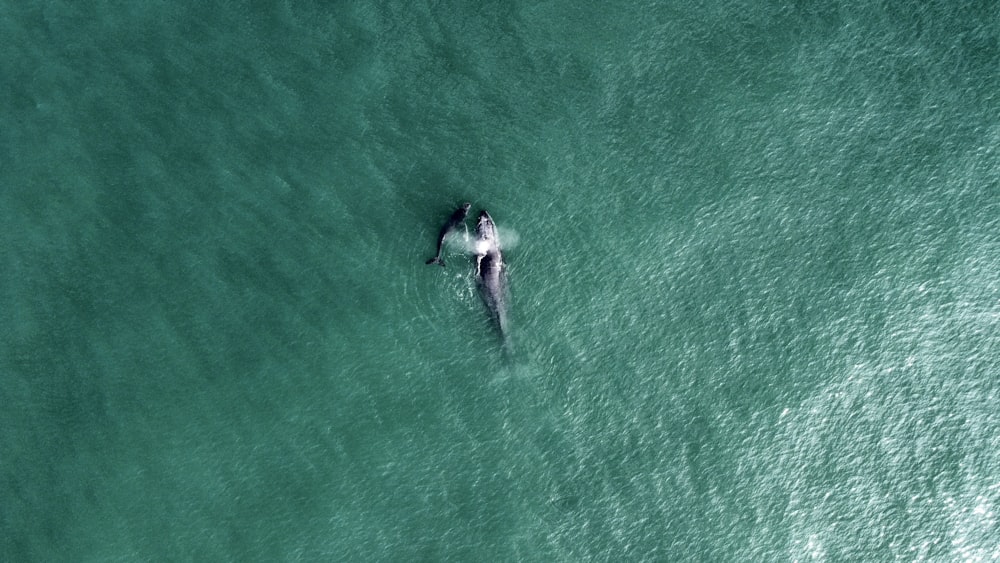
457, 218
491, 273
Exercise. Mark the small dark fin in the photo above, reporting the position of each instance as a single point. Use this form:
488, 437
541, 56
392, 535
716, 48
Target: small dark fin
436, 260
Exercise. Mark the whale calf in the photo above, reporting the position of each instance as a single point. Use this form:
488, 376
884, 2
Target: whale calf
491, 273
458, 217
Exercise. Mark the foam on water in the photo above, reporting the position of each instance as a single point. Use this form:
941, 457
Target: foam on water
508, 237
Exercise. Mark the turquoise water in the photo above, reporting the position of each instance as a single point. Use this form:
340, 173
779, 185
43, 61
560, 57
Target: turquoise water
754, 260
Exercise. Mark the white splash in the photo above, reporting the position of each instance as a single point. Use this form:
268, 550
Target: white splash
509, 238
481, 247
506, 237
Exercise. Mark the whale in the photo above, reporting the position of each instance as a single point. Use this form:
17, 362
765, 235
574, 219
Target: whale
491, 272
457, 218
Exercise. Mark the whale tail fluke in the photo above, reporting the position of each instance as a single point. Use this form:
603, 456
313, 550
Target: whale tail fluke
436, 260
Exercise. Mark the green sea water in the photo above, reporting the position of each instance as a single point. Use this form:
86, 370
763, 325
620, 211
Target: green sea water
754, 263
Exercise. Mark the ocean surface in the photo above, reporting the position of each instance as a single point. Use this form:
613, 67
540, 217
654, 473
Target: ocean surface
753, 253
